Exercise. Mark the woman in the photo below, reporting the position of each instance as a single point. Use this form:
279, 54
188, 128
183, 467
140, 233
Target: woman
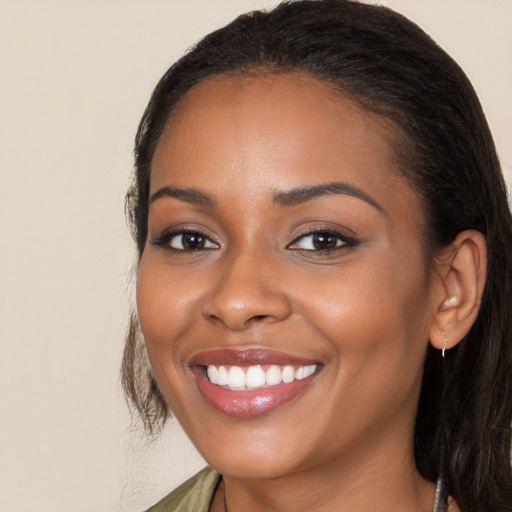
324, 269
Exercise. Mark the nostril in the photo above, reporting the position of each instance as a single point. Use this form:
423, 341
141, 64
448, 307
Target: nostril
259, 317
242, 321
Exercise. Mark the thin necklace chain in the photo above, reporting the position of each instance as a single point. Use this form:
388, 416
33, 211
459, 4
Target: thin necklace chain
438, 496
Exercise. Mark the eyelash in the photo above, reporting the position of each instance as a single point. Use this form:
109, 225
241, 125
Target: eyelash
164, 241
338, 236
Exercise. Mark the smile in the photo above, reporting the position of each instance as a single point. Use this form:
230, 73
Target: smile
249, 383
238, 378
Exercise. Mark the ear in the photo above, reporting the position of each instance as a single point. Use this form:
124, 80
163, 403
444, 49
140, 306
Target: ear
462, 271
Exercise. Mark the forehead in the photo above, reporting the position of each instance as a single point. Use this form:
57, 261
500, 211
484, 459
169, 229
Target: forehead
236, 134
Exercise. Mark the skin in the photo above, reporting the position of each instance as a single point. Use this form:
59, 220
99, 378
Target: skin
364, 311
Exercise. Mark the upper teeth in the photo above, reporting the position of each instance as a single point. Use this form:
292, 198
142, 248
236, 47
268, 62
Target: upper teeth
252, 377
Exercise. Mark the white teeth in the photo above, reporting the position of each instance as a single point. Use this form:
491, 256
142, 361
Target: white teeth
213, 374
288, 374
254, 377
309, 370
236, 378
222, 376
273, 375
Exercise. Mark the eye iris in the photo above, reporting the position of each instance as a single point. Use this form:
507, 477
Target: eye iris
193, 241
323, 241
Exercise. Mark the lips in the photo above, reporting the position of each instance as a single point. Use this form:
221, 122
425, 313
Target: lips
249, 383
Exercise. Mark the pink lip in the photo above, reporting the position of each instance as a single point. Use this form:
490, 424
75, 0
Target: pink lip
250, 403
248, 357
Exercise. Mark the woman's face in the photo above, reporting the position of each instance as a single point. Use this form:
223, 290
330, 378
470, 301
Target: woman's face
284, 241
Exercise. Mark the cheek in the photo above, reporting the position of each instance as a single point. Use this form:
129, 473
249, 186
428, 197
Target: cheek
376, 322
375, 314
162, 304
166, 297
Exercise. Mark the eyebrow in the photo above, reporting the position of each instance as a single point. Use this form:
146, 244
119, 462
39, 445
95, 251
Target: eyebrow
190, 195
292, 197
301, 195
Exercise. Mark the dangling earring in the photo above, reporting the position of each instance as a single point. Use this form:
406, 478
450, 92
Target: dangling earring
443, 351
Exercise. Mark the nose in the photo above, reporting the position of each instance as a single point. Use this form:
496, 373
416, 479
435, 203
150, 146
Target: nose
246, 291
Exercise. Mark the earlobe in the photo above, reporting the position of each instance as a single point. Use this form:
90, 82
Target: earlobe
463, 272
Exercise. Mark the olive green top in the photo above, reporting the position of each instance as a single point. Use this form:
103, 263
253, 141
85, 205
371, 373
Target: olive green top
194, 495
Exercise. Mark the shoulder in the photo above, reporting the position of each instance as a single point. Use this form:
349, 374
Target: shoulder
194, 494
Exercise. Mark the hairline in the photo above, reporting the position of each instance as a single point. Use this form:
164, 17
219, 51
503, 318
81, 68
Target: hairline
395, 136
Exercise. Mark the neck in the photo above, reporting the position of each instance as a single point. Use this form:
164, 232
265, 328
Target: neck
381, 482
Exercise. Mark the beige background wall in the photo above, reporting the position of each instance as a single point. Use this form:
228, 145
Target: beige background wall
74, 79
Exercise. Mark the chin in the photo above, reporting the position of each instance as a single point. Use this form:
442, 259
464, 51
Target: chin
260, 452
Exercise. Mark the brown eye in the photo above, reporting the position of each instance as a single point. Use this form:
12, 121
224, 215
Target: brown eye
188, 241
322, 241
